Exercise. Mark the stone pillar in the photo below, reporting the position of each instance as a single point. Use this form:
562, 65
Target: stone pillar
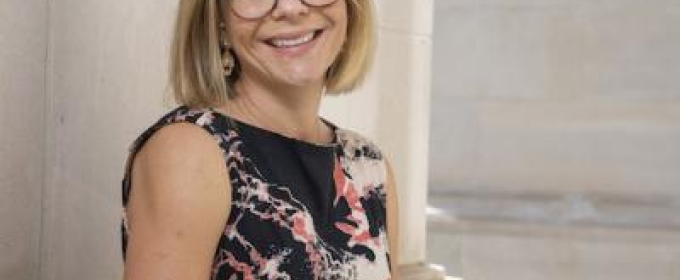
107, 74
22, 135
393, 109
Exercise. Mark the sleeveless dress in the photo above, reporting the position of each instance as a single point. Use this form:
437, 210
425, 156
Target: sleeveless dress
299, 210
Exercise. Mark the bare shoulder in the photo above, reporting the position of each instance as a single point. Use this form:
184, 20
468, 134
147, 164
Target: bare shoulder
178, 145
179, 203
181, 158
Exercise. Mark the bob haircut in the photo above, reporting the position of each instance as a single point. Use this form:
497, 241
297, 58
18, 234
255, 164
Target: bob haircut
196, 73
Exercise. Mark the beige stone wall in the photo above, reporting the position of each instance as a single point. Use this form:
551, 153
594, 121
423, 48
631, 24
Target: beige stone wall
108, 77
558, 96
555, 138
22, 134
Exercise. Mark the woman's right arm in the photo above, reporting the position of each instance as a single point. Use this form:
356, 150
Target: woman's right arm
179, 204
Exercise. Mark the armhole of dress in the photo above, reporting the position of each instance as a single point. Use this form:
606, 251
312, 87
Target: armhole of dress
139, 143
179, 115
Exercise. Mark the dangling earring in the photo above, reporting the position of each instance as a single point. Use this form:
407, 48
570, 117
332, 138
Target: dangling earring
228, 63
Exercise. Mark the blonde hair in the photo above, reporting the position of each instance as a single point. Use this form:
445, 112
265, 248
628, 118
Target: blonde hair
196, 74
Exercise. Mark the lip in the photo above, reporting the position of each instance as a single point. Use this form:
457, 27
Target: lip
295, 50
285, 35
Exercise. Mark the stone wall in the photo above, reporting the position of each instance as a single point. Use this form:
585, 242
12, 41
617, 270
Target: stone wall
108, 82
551, 120
22, 133
558, 96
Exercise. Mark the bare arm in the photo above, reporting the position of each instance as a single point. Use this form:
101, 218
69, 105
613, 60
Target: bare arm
179, 204
393, 222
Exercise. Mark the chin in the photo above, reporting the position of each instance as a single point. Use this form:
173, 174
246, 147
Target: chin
304, 80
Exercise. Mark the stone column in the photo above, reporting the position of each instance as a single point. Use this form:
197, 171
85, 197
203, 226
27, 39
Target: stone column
22, 135
106, 78
393, 108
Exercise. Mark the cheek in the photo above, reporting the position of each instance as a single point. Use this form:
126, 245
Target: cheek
240, 39
342, 27
240, 31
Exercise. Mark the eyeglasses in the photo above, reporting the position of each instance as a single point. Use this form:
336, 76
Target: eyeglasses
254, 9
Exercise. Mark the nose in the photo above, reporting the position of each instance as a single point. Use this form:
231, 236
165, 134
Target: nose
289, 8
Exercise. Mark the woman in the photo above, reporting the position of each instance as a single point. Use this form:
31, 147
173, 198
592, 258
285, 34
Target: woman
245, 180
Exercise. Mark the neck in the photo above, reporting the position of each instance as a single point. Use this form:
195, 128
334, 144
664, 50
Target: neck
287, 110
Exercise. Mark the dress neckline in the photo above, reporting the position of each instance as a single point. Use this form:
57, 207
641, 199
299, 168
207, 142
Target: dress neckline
335, 143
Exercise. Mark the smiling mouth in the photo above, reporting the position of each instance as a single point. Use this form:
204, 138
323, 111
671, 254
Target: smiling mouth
293, 42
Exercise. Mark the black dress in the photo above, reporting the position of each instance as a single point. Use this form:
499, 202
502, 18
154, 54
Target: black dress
299, 210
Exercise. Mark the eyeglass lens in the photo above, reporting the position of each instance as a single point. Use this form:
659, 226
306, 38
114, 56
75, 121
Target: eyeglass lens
253, 9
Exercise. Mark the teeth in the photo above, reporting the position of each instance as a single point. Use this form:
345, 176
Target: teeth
285, 43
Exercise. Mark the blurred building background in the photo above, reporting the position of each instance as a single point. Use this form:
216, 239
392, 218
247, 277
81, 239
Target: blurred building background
555, 140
